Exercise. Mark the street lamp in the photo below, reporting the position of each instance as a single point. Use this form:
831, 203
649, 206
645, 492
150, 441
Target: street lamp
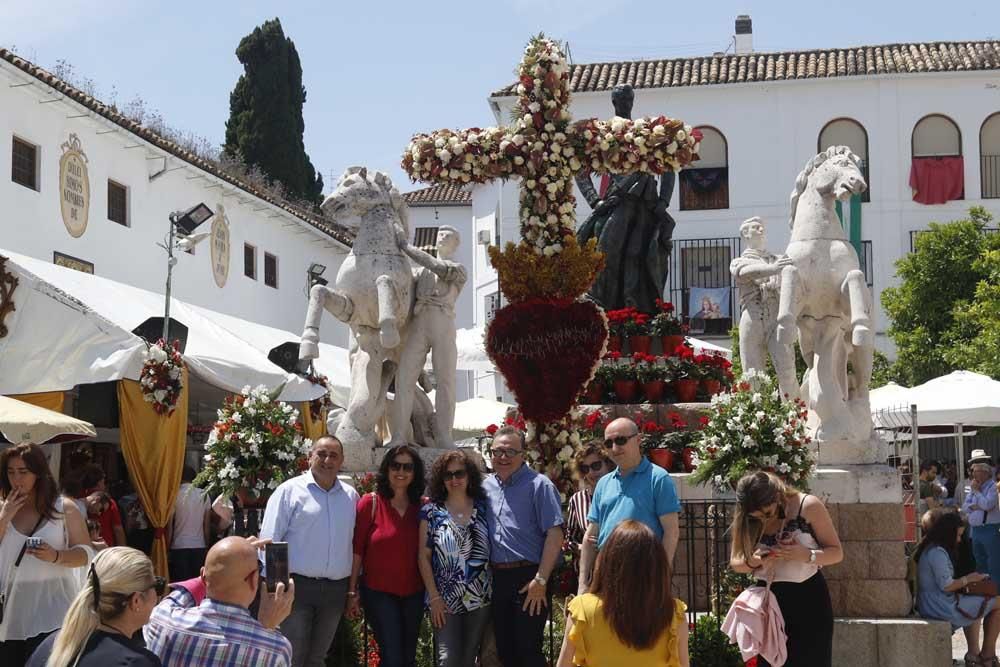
182, 224
315, 272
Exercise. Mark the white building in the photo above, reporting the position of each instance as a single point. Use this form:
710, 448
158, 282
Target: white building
134, 179
765, 114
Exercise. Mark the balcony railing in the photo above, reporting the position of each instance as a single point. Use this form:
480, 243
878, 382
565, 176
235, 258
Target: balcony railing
989, 176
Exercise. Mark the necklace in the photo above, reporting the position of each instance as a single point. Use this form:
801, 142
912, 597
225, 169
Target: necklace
455, 513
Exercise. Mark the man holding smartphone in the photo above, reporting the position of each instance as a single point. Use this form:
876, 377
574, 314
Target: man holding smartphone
314, 513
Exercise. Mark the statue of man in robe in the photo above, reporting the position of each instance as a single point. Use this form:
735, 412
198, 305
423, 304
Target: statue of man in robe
632, 228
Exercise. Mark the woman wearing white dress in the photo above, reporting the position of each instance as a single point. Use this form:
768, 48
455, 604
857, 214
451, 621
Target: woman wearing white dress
37, 583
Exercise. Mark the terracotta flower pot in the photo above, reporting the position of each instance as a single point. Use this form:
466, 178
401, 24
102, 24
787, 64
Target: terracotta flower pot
639, 344
653, 390
687, 389
626, 390
594, 393
614, 344
711, 387
662, 457
687, 455
670, 343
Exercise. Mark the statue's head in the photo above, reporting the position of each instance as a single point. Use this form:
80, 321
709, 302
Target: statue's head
448, 240
622, 98
358, 191
836, 172
752, 231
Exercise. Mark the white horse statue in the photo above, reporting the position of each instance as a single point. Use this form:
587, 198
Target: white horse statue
824, 296
372, 295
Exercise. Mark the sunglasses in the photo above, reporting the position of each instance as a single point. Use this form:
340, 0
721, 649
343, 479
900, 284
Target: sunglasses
504, 453
160, 585
396, 466
449, 475
619, 441
593, 467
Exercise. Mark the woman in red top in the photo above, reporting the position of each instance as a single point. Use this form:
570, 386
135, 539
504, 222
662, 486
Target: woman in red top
386, 541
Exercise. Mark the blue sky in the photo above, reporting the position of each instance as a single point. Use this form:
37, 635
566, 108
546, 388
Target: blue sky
376, 72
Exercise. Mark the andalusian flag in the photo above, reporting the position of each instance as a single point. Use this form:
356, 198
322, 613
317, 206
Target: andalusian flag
850, 220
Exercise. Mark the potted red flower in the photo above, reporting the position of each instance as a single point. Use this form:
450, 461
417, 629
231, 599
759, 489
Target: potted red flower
624, 383
652, 374
686, 374
653, 445
634, 327
667, 327
716, 372
616, 319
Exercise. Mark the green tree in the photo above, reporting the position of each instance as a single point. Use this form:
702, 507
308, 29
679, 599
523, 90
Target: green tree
938, 281
977, 322
265, 123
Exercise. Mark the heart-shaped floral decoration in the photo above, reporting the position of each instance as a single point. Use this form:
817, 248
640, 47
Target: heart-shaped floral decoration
547, 351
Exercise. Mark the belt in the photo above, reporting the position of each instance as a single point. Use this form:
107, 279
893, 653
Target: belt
296, 575
513, 565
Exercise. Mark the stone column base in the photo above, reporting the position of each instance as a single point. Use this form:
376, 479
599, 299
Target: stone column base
891, 642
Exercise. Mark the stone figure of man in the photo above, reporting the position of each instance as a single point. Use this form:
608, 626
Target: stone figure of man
757, 276
439, 281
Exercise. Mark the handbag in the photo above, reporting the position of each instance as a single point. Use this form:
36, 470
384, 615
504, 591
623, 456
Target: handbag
13, 569
986, 587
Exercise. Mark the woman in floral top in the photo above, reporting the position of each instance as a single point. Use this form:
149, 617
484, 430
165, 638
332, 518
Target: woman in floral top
454, 559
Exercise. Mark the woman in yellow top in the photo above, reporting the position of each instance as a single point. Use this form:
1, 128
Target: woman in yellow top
629, 616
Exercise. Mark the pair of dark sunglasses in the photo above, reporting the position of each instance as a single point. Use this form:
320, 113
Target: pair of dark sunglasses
396, 466
593, 467
449, 475
619, 441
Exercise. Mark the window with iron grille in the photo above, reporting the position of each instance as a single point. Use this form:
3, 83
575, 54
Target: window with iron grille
270, 270
249, 261
705, 185
491, 303
24, 164
117, 203
425, 238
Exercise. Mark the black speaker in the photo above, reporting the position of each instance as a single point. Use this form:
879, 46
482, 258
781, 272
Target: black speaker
98, 404
286, 356
152, 331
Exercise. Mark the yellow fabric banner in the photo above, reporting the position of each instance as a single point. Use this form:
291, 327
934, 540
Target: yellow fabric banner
50, 400
312, 428
153, 447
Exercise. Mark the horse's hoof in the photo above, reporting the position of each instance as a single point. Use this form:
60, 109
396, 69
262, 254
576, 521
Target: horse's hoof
785, 334
389, 336
862, 336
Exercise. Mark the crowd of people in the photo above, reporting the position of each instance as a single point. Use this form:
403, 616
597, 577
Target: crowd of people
466, 548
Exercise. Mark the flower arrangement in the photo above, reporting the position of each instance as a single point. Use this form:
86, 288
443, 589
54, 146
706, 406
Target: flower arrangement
318, 407
629, 322
665, 321
621, 367
526, 275
754, 428
715, 367
161, 376
366, 483
649, 367
256, 445
652, 145
683, 364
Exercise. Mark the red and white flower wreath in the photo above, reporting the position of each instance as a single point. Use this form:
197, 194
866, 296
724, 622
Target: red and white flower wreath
161, 375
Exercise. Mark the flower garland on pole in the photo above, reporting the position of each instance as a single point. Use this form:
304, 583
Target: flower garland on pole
546, 342
161, 376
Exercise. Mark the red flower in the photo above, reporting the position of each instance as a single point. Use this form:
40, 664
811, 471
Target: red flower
703, 421
492, 428
676, 420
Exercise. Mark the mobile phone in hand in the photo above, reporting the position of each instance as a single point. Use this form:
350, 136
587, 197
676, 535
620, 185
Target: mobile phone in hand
33, 542
276, 565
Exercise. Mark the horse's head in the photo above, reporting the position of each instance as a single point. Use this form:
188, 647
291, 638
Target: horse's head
357, 192
835, 173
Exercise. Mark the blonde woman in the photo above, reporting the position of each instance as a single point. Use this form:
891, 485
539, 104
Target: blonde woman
115, 603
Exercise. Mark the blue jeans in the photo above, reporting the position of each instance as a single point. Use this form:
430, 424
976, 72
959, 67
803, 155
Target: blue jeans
316, 612
395, 621
986, 549
459, 640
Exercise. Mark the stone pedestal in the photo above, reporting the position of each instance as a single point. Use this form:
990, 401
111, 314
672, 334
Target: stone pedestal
896, 642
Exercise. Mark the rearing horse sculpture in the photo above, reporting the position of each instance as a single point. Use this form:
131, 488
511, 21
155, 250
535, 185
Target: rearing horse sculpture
824, 295
372, 295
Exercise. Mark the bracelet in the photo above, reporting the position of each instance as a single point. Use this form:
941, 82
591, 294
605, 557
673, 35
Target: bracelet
57, 557
436, 597
352, 594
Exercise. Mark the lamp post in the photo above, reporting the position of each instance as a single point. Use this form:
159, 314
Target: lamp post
315, 274
182, 224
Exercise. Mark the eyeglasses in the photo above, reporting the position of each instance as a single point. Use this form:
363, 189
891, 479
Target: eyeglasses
619, 441
396, 466
505, 452
593, 467
449, 475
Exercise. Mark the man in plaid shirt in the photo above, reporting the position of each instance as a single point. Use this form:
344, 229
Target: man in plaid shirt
218, 631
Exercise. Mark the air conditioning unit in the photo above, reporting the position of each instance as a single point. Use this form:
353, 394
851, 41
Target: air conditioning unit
484, 236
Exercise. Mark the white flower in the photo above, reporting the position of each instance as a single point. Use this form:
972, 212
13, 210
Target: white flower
160, 395
237, 417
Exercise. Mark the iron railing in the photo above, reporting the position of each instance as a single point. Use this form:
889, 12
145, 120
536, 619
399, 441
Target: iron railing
989, 176
701, 267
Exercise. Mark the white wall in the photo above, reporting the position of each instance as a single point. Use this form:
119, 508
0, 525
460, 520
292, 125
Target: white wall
772, 130
31, 223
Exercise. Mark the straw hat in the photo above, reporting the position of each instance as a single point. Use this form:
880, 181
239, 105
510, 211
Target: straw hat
980, 456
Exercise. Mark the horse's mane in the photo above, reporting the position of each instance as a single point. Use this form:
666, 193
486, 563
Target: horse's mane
803, 178
393, 197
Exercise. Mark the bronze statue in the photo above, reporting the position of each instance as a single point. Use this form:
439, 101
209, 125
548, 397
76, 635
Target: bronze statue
632, 228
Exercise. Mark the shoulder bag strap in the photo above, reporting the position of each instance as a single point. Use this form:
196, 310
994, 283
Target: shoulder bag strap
979, 614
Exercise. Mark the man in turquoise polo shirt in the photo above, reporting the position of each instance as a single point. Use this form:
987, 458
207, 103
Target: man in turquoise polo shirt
636, 489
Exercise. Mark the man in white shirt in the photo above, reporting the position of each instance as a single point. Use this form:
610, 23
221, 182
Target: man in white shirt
314, 513
189, 529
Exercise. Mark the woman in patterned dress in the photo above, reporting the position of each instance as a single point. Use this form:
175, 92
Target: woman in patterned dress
454, 559
591, 465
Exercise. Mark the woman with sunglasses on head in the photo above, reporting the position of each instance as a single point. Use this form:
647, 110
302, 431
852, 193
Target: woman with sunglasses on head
386, 542
591, 465
785, 536
455, 558
116, 601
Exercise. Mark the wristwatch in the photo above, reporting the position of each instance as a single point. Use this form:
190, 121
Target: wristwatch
812, 555
541, 580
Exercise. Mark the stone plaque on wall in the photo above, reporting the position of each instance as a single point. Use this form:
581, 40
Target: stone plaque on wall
220, 246
82, 265
74, 187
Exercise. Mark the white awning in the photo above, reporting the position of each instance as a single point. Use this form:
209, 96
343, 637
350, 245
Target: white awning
72, 328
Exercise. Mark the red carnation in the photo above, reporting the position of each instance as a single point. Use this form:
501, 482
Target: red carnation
492, 428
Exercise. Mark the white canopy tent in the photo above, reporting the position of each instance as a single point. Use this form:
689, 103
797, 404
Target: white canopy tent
24, 422
475, 414
72, 328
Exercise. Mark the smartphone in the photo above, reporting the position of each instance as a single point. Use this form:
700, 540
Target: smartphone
276, 565
33, 542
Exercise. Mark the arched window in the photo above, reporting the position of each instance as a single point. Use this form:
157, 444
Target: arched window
989, 157
851, 133
937, 174
705, 185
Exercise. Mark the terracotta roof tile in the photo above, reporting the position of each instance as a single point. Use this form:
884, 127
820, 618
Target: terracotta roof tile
784, 66
320, 223
439, 195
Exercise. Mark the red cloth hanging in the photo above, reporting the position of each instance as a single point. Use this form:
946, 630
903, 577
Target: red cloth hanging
936, 180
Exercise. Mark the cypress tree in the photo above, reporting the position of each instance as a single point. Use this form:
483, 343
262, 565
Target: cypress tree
265, 123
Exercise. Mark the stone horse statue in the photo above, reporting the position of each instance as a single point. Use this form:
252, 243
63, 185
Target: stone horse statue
824, 296
372, 295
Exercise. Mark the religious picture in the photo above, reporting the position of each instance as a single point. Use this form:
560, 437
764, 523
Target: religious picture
706, 304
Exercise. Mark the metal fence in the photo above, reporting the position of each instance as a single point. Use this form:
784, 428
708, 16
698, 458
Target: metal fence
989, 176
